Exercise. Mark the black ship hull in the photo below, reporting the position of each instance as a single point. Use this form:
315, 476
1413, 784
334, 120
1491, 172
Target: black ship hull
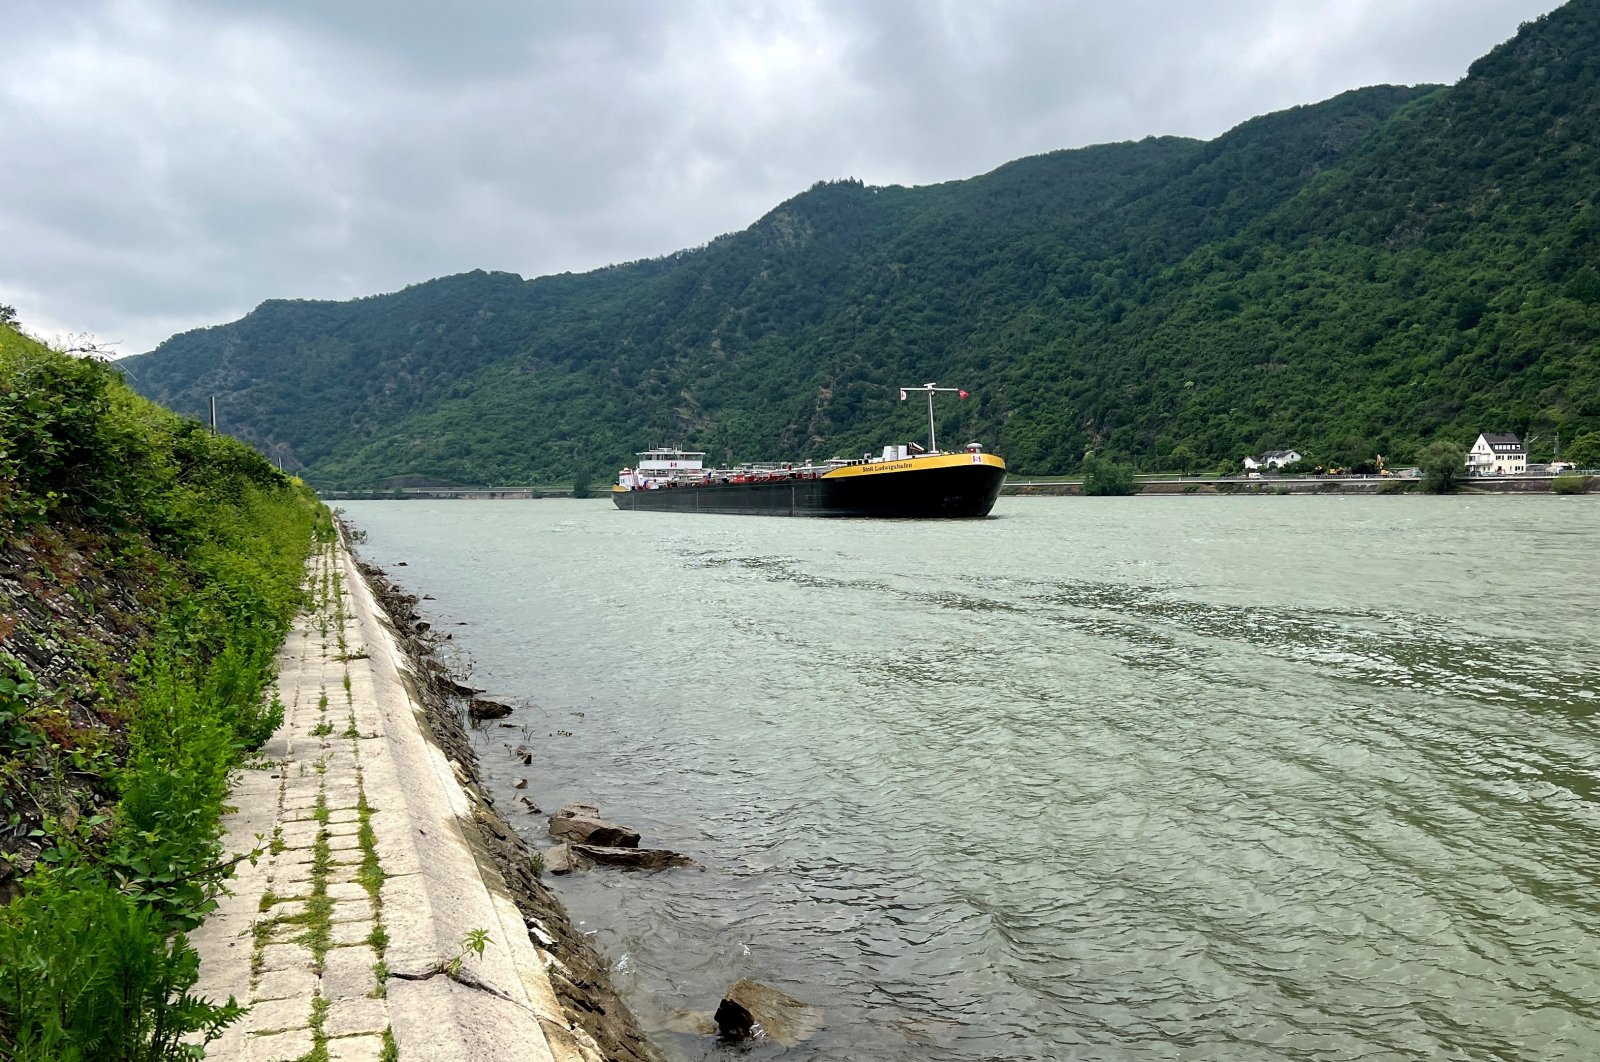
952, 490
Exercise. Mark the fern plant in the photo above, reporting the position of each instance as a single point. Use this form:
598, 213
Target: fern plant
89, 973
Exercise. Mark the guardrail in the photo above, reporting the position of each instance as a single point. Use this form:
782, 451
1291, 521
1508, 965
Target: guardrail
465, 493
1273, 477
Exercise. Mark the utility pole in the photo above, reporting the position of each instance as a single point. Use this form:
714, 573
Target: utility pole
213, 414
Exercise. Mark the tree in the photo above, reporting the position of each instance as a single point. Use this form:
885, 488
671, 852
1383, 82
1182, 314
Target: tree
1584, 451
8, 315
582, 483
1442, 463
1585, 286
1183, 457
1104, 478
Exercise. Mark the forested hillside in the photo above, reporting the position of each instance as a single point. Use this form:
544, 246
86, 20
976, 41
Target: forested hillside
1363, 275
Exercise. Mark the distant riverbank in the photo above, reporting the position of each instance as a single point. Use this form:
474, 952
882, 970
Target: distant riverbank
1026, 487
451, 493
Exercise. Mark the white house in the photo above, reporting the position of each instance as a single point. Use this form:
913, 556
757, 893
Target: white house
1497, 454
1273, 459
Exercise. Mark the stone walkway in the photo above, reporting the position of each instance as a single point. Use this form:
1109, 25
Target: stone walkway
372, 926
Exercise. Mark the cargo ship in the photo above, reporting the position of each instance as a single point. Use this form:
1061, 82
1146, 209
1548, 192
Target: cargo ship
904, 480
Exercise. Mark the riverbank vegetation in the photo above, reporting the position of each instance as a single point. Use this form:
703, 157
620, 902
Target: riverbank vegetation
1105, 478
1442, 465
148, 572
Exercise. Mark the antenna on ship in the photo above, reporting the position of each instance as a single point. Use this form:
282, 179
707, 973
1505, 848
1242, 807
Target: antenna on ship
933, 443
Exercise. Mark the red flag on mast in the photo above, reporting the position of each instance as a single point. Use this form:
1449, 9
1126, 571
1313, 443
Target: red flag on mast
961, 394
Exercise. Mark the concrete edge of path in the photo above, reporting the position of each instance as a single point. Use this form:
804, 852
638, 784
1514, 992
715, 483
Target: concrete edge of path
325, 951
455, 889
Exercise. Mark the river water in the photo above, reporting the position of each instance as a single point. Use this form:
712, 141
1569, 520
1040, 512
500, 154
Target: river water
1142, 778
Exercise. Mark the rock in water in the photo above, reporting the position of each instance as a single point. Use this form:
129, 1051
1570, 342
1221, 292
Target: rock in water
482, 708
642, 858
562, 860
582, 823
749, 1008
733, 1021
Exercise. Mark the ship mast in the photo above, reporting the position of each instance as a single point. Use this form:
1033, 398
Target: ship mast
933, 443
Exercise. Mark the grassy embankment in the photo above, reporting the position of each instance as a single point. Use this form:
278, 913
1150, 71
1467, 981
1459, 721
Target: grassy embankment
148, 573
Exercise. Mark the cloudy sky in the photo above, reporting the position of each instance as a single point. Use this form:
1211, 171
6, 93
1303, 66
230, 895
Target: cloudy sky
166, 165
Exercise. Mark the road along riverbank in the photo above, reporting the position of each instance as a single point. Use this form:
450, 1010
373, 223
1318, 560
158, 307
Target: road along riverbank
1194, 485
390, 912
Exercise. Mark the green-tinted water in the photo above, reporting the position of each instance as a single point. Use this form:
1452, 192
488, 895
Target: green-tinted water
1234, 778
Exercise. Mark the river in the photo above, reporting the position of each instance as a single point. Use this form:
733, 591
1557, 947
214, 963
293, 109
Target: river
1122, 778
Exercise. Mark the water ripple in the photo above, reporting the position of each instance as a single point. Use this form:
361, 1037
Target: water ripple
1075, 783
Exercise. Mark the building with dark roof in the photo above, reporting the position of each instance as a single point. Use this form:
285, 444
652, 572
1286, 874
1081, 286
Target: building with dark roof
1497, 454
1273, 459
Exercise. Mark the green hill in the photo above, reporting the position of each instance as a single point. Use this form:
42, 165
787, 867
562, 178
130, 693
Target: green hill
1357, 276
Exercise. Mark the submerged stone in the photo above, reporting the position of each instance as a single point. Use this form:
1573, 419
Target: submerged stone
639, 858
749, 1008
483, 708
